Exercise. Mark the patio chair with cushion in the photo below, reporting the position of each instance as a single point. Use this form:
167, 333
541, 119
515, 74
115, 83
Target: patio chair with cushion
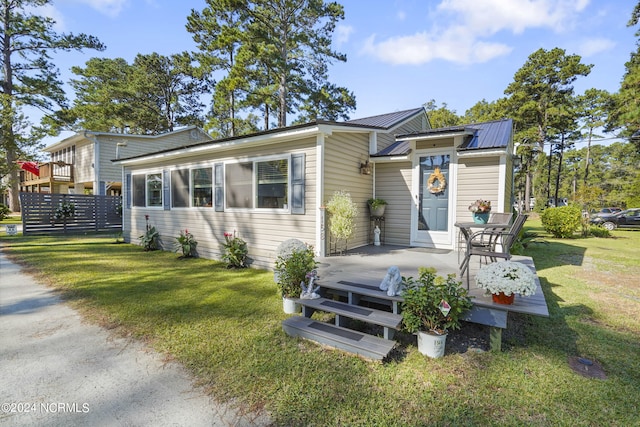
492, 243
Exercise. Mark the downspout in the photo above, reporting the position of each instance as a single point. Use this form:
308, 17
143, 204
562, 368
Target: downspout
96, 161
321, 232
373, 148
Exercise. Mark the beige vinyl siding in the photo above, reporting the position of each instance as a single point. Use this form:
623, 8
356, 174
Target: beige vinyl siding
417, 124
84, 162
478, 178
262, 230
393, 184
435, 143
138, 145
343, 154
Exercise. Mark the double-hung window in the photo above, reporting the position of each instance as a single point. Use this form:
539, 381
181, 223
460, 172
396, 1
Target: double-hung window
192, 187
147, 190
202, 187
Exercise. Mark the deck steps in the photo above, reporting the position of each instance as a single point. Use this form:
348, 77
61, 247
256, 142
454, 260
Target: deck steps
338, 335
352, 311
355, 292
345, 339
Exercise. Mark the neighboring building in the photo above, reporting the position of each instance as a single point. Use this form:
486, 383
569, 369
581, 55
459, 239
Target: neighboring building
271, 186
82, 163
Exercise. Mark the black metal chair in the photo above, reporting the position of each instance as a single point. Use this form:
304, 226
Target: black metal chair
492, 243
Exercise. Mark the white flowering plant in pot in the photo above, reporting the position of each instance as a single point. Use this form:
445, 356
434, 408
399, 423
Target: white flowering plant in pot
507, 277
294, 267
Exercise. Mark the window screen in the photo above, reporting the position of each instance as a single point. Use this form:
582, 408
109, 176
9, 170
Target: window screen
239, 185
138, 190
180, 188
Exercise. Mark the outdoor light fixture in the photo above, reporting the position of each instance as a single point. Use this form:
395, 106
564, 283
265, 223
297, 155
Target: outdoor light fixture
365, 168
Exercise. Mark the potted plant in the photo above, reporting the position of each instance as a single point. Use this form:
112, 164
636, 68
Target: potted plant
432, 305
377, 206
480, 209
295, 261
504, 279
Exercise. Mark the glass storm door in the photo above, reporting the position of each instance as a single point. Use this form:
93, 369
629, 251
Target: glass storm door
431, 219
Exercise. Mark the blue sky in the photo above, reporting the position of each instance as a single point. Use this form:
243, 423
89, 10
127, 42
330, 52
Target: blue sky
400, 53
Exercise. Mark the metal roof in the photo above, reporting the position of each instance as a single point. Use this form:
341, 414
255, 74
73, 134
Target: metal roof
495, 134
386, 121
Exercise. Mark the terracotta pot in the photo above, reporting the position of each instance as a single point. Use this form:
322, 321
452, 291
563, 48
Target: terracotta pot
501, 298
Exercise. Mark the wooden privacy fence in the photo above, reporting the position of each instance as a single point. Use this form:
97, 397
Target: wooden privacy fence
69, 213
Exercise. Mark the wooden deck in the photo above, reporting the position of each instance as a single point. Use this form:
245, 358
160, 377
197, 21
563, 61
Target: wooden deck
360, 272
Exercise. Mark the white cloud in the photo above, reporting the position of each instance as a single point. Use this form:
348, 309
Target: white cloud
343, 33
491, 16
594, 46
401, 15
111, 8
463, 30
421, 48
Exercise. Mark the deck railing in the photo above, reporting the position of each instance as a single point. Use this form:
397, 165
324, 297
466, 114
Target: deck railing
50, 171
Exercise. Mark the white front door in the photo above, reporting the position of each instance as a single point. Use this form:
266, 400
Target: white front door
433, 190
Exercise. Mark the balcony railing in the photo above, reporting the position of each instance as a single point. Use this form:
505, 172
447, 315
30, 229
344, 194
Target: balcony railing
49, 172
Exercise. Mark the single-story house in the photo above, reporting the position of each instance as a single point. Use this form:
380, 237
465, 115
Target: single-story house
82, 163
270, 186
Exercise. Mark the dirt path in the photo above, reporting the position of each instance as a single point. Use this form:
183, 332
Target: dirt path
57, 370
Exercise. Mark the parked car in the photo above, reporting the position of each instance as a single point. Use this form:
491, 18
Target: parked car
624, 219
606, 211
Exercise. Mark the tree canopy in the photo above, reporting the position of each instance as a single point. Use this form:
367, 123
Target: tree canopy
29, 78
274, 57
152, 95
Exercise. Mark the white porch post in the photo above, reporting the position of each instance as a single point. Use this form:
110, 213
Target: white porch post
320, 246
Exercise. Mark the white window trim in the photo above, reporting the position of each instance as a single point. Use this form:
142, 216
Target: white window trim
191, 168
146, 174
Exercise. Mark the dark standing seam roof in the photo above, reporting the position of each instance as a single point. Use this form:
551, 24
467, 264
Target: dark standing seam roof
494, 134
386, 120
490, 135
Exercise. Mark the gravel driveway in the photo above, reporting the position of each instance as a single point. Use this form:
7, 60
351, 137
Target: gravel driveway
57, 370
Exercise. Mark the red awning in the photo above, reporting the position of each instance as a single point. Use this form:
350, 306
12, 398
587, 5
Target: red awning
30, 167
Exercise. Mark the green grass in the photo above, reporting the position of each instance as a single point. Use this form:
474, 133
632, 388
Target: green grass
224, 326
12, 219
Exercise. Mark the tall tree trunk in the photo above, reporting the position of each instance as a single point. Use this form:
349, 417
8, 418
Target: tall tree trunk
549, 175
560, 156
586, 158
282, 95
14, 178
527, 187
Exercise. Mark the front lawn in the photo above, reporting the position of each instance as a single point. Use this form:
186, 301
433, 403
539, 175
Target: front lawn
224, 326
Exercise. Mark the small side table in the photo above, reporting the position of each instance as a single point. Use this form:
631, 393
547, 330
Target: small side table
373, 222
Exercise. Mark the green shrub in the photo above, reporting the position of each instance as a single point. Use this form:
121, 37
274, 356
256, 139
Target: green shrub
4, 212
150, 239
599, 231
187, 244
433, 303
294, 261
235, 251
562, 222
